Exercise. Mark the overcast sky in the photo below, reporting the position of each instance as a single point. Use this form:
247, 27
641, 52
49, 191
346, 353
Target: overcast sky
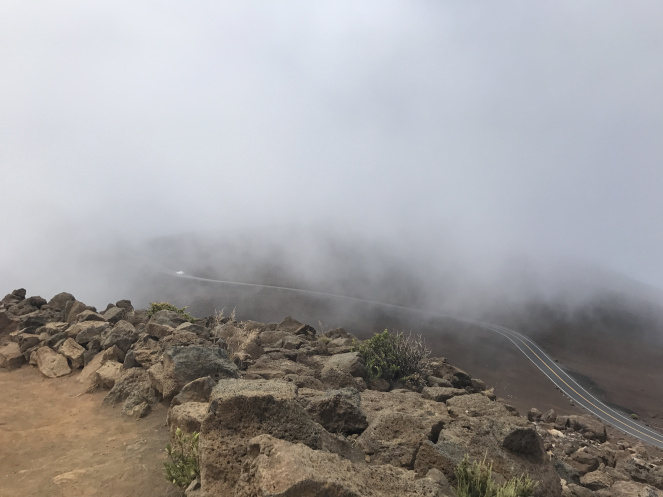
530, 128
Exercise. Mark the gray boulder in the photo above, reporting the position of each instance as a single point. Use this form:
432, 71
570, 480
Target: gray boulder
22, 308
158, 330
89, 315
115, 314
14, 298
268, 338
269, 368
534, 415
198, 390
146, 351
130, 360
125, 304
8, 322
197, 329
633, 489
242, 409
591, 428
72, 309
50, 363
526, 443
350, 362
11, 356
53, 327
339, 411
335, 378
59, 301
394, 438
279, 467
641, 472
181, 365
289, 325
188, 416
168, 318
566, 471
35, 319
441, 394
89, 374
37, 301
27, 341
74, 352
123, 334
134, 391
596, 480
87, 331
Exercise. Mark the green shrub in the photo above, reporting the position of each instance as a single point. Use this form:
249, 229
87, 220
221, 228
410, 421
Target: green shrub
395, 356
474, 479
165, 306
183, 465
635, 416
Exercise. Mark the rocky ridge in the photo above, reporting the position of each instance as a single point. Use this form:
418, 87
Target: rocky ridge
283, 410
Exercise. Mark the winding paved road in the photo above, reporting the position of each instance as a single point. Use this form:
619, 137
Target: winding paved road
571, 388
528, 347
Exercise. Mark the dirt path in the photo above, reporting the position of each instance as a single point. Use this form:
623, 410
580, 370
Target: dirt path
55, 442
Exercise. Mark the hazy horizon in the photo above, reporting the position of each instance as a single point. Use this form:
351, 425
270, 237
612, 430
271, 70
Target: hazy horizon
461, 140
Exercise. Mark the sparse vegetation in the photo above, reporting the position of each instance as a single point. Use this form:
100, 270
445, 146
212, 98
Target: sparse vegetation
394, 356
218, 319
183, 465
165, 306
474, 479
635, 416
235, 339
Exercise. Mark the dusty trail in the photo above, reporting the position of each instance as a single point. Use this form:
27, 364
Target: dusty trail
55, 442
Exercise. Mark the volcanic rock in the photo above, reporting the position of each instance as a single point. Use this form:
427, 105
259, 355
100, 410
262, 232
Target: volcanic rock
350, 362
115, 314
11, 356
123, 334
242, 409
279, 467
135, 391
589, 427
59, 301
199, 390
50, 363
73, 351
181, 365
188, 416
441, 394
339, 411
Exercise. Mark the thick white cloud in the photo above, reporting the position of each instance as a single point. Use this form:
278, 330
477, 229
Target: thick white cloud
519, 127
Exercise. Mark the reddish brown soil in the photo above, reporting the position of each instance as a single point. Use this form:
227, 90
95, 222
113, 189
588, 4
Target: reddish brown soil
55, 441
634, 381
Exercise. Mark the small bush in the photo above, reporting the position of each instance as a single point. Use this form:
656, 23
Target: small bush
183, 466
474, 479
635, 416
395, 356
165, 306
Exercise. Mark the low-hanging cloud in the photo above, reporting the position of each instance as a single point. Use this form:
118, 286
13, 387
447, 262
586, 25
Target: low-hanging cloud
451, 134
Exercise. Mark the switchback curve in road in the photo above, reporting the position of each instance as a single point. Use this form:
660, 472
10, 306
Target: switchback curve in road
560, 378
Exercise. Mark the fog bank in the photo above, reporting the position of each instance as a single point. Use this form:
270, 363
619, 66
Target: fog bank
462, 150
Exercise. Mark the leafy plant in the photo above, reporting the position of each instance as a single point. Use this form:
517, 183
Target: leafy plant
635, 416
474, 479
183, 465
165, 306
395, 356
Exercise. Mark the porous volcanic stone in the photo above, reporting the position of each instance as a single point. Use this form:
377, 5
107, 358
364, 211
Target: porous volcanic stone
50, 363
181, 365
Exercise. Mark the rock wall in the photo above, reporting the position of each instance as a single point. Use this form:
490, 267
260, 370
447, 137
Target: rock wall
283, 410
